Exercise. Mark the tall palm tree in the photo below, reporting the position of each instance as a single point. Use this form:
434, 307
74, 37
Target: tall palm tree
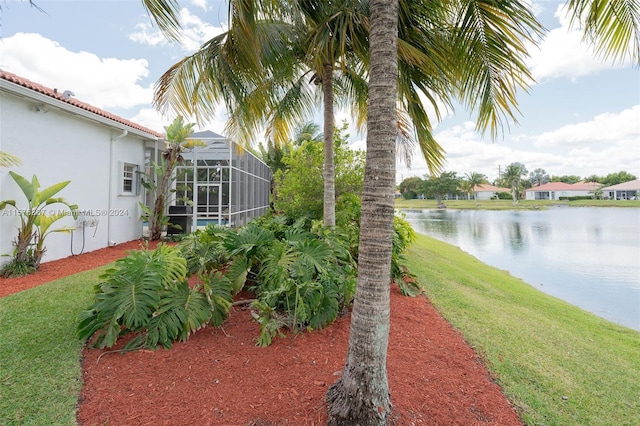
349, 401
323, 43
472, 180
483, 42
512, 175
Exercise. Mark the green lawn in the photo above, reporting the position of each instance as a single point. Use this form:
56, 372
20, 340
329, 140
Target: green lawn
558, 364
40, 375
508, 205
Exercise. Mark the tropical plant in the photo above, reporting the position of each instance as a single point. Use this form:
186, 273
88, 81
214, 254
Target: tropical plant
147, 293
472, 180
301, 180
513, 175
292, 54
474, 51
8, 160
302, 274
35, 223
403, 237
158, 183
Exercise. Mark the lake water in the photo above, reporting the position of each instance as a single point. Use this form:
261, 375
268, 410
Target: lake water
589, 257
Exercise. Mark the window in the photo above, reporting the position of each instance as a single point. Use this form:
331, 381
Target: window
129, 179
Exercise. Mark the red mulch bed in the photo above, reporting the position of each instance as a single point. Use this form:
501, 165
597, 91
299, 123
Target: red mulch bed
220, 377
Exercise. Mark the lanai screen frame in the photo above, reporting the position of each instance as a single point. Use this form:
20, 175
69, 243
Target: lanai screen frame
244, 181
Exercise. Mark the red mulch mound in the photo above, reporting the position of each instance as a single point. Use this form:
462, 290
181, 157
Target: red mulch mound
220, 377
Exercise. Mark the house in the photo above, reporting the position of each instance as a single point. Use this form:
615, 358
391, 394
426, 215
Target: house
485, 191
60, 138
556, 190
227, 184
623, 191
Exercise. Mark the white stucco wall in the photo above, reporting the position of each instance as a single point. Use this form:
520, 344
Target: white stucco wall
58, 146
484, 195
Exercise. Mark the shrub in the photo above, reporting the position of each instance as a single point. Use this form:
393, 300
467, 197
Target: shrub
35, 223
147, 293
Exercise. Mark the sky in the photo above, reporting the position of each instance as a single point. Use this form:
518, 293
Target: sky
580, 117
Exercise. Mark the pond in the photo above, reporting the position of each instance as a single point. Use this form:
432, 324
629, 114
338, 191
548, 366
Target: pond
587, 256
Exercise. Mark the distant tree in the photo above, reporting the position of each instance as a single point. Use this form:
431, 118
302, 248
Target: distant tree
438, 186
470, 181
593, 178
616, 178
571, 179
310, 131
538, 177
409, 187
513, 175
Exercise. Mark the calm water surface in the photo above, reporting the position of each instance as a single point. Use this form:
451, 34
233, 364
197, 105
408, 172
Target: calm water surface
589, 257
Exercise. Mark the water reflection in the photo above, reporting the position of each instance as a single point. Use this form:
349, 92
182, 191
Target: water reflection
589, 257
515, 238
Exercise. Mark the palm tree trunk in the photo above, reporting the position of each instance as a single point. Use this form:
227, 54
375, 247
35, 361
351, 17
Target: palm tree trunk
361, 396
155, 223
329, 168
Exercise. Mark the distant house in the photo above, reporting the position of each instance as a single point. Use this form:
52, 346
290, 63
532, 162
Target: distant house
555, 190
486, 192
60, 138
623, 191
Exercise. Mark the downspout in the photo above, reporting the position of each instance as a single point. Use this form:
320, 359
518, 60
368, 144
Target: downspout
124, 133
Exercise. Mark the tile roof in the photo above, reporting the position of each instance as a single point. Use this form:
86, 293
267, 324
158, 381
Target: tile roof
632, 185
485, 187
53, 93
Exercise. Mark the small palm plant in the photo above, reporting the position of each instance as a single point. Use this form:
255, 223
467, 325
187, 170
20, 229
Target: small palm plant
35, 223
177, 141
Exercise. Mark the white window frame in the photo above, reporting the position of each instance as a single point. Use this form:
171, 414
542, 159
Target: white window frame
129, 172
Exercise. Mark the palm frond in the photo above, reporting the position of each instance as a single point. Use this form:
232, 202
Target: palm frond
613, 26
165, 13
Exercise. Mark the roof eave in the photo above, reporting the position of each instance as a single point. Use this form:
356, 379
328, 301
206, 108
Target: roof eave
26, 92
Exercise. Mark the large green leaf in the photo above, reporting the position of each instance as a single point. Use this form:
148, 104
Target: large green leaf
46, 194
27, 188
217, 289
132, 293
183, 311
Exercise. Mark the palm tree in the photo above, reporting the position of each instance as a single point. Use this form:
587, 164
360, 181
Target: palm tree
472, 180
483, 42
295, 44
176, 142
349, 401
513, 174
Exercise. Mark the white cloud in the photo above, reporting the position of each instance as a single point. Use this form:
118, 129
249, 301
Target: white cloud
194, 32
603, 128
201, 4
608, 143
564, 53
102, 82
